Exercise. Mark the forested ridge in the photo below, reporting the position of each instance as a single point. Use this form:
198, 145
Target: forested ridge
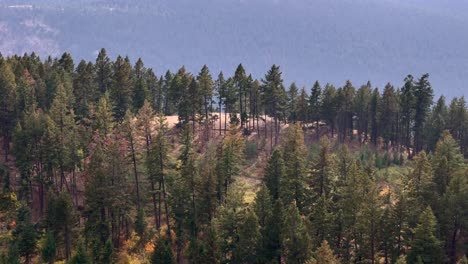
112, 162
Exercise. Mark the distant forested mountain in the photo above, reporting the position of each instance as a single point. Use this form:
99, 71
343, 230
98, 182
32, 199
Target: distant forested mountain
328, 40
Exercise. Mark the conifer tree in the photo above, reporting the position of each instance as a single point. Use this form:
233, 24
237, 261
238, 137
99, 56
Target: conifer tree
425, 246
324, 171
84, 88
274, 174
329, 106
423, 97
324, 254
315, 103
274, 98
249, 238
48, 250
206, 89
103, 67
121, 88
296, 240
7, 104
293, 185
293, 103
362, 110
24, 235
303, 106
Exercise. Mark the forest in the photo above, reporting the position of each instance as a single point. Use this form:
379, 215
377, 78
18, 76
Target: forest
109, 162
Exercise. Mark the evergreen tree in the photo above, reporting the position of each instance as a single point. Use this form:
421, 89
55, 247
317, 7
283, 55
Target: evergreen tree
103, 67
140, 91
24, 235
49, 249
84, 88
293, 103
296, 240
323, 171
423, 95
425, 246
324, 254
274, 98
315, 105
329, 106
249, 238
7, 104
407, 103
80, 257
293, 184
447, 159
437, 123
162, 252
388, 115
362, 109
206, 89
121, 88
303, 106
274, 173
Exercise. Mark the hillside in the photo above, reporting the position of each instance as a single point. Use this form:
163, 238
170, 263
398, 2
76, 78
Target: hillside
331, 41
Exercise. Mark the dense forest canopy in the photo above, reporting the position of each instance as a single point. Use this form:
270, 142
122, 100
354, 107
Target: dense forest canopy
109, 162
311, 39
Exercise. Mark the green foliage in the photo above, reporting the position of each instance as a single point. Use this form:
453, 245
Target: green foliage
49, 249
24, 235
80, 257
162, 252
425, 247
251, 150
296, 240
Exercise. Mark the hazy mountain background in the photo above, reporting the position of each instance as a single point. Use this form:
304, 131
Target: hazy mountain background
328, 40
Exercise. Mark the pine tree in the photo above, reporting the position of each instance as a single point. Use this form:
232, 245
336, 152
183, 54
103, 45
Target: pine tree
362, 110
48, 250
453, 212
324, 171
228, 223
103, 121
388, 115
293, 103
407, 102
230, 157
80, 257
140, 91
296, 240
345, 111
436, 123
85, 88
157, 164
425, 246
274, 173
274, 98
121, 88
61, 221
329, 106
324, 254
24, 235
423, 95
315, 104
162, 252
103, 67
447, 160
303, 106
293, 185
7, 104
249, 238
206, 89
374, 116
